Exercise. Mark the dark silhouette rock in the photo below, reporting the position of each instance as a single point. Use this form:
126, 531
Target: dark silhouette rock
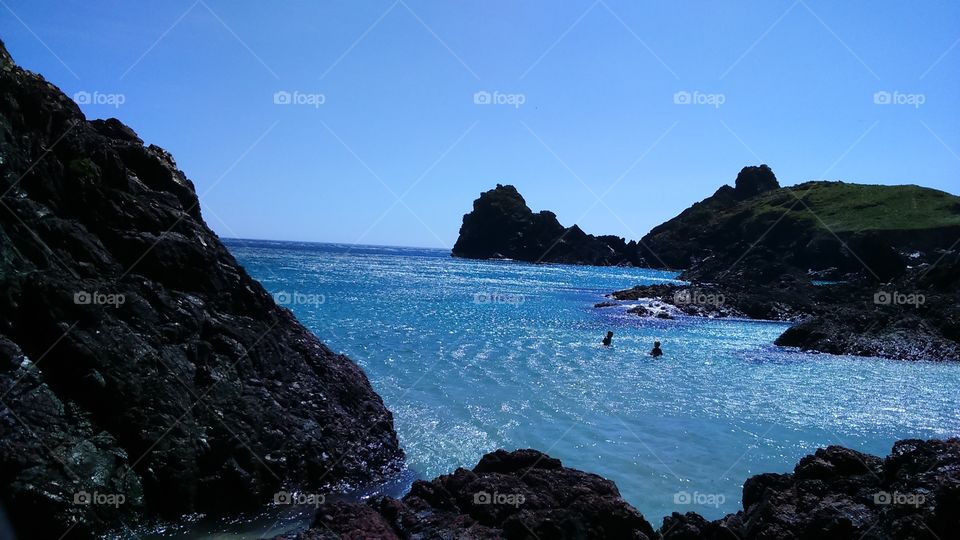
521, 494
841, 493
501, 225
753, 181
834, 493
875, 231
139, 360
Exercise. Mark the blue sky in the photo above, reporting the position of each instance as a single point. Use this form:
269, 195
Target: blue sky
384, 142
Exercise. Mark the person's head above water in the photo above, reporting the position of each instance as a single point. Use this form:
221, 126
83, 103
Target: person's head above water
610, 333
656, 344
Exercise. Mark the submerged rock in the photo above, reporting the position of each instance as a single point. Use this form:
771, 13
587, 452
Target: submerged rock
140, 361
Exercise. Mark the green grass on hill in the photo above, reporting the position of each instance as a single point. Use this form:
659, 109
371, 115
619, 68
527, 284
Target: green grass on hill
844, 207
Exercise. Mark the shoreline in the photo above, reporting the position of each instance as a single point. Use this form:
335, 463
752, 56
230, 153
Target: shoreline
834, 492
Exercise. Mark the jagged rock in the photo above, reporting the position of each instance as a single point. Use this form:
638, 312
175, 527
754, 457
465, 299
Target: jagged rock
840, 493
139, 359
514, 495
835, 493
752, 181
501, 225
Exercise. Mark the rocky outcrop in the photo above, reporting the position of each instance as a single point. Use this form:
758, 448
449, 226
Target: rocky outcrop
840, 493
521, 494
142, 371
502, 226
915, 317
836, 493
834, 229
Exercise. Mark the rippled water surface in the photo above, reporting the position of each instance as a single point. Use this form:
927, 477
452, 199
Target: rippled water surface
475, 355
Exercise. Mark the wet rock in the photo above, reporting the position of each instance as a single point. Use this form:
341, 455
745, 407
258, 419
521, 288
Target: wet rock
840, 493
521, 494
835, 493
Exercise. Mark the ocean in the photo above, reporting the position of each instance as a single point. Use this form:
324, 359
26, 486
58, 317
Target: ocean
472, 356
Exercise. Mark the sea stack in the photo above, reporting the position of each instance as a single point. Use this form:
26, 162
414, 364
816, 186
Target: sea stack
502, 226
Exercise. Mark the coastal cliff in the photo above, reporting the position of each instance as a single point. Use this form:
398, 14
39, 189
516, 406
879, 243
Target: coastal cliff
143, 373
831, 229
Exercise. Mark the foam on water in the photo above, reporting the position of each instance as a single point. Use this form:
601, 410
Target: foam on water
477, 355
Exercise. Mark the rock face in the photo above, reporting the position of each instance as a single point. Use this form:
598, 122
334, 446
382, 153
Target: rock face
139, 363
501, 225
836, 493
521, 494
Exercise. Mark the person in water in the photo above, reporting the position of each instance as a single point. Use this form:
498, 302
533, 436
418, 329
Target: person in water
608, 340
655, 352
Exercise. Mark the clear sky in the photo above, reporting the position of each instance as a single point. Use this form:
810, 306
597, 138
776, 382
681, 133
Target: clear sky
384, 142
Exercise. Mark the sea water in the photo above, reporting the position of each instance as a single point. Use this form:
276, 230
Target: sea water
472, 356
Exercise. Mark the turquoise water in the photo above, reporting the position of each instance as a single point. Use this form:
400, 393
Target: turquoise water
472, 356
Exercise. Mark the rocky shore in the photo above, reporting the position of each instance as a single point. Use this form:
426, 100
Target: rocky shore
835, 493
914, 317
143, 373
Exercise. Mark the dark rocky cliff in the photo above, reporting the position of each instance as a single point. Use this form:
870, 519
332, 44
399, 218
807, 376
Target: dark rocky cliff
137, 358
832, 228
501, 225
